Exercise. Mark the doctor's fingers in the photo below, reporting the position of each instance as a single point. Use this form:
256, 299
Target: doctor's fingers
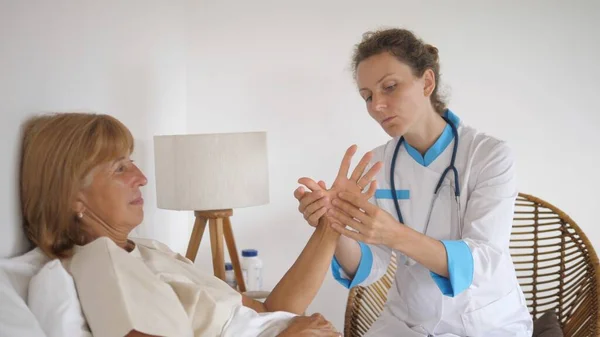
316, 205
359, 201
349, 221
299, 193
310, 198
344, 208
313, 219
310, 183
347, 233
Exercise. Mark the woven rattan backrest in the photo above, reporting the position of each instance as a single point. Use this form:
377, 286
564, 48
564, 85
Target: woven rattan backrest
556, 265
366, 303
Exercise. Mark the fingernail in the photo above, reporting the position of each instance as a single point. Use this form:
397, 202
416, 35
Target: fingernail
335, 201
330, 212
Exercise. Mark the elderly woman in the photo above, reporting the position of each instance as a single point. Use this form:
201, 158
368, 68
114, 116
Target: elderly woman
81, 197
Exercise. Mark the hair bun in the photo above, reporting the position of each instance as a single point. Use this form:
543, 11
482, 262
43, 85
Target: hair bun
433, 51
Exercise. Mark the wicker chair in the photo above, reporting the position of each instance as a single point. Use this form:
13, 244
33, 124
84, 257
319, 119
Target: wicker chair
555, 262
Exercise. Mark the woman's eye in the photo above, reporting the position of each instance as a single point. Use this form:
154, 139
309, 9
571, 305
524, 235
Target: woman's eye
390, 87
368, 99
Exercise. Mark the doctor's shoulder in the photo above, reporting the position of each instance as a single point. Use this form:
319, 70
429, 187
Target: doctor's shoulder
381, 152
486, 153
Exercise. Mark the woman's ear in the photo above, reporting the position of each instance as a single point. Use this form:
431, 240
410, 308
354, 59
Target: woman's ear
79, 205
429, 80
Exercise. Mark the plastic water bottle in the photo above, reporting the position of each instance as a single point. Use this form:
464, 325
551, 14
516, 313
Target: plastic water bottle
252, 269
230, 275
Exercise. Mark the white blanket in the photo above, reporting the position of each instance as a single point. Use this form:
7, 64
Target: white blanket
246, 322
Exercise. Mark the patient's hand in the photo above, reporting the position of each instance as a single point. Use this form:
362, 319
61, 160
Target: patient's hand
314, 204
310, 326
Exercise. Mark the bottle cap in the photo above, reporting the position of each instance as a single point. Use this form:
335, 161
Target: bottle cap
228, 266
249, 252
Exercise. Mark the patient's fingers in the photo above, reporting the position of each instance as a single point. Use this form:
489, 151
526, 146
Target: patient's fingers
345, 165
325, 328
372, 189
365, 179
360, 168
310, 326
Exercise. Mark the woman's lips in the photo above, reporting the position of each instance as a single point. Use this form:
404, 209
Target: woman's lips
387, 120
138, 201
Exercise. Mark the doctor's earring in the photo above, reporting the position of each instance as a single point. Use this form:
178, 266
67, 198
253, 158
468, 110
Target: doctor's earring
80, 215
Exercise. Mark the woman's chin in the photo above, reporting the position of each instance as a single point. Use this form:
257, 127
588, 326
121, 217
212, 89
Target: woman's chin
137, 219
395, 131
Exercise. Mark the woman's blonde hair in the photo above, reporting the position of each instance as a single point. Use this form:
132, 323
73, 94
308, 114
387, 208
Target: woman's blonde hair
58, 152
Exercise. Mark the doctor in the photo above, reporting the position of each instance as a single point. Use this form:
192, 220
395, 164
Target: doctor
444, 204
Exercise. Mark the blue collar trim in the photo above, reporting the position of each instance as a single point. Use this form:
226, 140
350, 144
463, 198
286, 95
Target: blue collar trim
440, 144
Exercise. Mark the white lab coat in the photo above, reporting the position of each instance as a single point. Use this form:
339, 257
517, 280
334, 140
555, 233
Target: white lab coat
492, 304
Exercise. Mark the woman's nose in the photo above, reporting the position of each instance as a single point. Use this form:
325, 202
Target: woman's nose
379, 104
140, 177
143, 181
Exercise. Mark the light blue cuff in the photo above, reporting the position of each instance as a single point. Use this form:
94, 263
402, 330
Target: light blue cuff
460, 269
363, 271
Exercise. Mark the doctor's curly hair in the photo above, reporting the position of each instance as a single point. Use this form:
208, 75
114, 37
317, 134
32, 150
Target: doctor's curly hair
408, 49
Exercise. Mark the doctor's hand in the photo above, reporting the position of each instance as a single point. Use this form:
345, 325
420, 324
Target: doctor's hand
372, 224
314, 204
310, 326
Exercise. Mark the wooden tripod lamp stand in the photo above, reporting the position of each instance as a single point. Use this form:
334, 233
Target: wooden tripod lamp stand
219, 227
211, 174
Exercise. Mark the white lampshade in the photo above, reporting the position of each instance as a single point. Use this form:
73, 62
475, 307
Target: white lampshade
211, 171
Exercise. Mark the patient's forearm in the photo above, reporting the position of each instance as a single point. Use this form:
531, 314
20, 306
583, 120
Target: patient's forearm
300, 284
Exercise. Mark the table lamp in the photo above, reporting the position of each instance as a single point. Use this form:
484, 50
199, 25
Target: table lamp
211, 174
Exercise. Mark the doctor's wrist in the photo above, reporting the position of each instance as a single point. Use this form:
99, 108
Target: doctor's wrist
403, 238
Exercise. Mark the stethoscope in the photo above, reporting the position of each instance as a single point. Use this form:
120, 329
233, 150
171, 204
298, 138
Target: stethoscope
452, 167
439, 184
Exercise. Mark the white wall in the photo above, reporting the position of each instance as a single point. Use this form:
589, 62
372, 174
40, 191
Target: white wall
525, 72
125, 58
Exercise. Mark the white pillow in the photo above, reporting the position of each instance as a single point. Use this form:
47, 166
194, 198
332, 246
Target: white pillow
54, 302
15, 317
20, 269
